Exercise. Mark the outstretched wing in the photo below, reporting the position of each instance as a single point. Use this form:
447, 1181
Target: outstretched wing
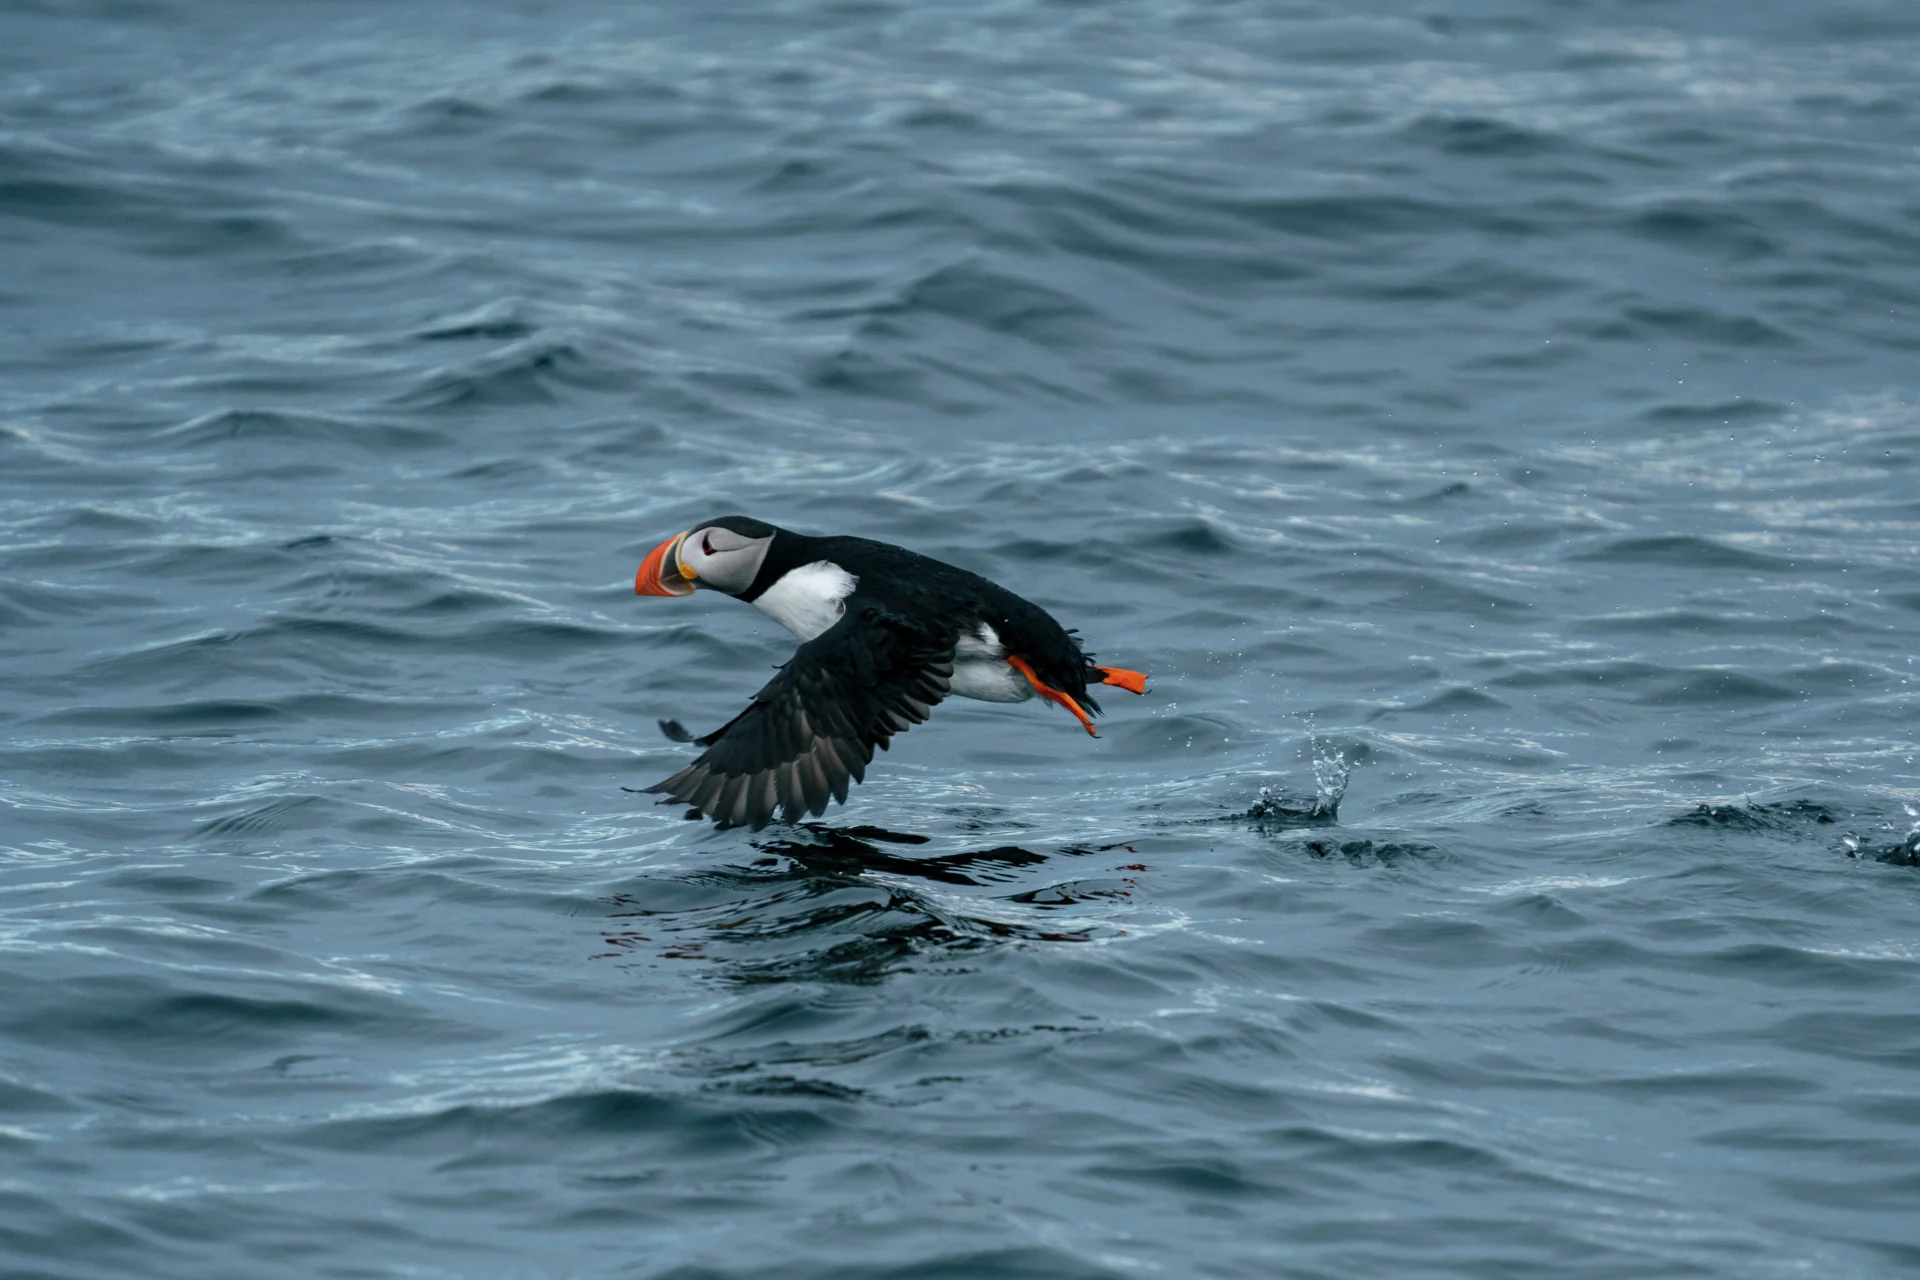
843, 693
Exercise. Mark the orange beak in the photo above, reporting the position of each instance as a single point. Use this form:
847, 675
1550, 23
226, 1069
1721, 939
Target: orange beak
661, 573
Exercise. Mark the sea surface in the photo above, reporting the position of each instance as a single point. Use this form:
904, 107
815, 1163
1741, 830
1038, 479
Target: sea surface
1493, 425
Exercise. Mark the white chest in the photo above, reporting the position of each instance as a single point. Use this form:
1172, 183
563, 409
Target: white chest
808, 600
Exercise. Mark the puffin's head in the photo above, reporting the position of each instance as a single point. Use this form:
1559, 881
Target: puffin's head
723, 554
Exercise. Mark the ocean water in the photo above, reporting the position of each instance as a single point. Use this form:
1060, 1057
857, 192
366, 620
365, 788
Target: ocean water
1492, 424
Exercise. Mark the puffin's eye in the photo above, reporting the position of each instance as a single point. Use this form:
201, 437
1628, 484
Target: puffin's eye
706, 544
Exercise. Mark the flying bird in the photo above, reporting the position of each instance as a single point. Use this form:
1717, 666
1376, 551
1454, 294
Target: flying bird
885, 633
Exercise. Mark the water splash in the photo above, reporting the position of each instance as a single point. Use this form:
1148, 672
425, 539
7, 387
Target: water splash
1274, 810
1904, 852
1332, 768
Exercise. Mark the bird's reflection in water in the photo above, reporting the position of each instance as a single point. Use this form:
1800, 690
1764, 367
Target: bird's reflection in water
852, 850
837, 904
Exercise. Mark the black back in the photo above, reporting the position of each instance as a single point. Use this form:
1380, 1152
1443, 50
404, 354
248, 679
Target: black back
937, 594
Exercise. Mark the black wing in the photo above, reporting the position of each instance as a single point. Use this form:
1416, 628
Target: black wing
844, 692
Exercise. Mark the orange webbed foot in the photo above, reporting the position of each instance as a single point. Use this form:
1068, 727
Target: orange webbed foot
1050, 693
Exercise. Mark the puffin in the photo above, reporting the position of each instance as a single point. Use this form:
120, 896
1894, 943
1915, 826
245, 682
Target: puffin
885, 635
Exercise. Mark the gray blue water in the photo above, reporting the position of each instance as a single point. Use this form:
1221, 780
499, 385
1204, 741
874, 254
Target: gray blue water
1492, 424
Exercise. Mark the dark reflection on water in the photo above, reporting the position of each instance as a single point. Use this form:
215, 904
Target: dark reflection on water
1492, 427
827, 904
850, 851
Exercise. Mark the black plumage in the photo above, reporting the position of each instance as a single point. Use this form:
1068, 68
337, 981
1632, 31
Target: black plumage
877, 671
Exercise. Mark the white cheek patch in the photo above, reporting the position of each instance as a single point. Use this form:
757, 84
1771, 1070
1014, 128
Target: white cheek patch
808, 600
730, 566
